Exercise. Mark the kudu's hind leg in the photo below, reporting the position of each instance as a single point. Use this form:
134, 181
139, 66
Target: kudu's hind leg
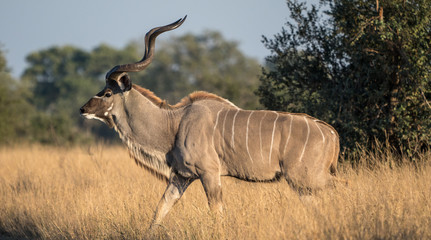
175, 189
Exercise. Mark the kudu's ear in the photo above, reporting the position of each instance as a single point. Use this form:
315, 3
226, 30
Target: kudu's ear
124, 82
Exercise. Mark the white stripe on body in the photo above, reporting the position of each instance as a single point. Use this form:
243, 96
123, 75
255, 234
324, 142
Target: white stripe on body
246, 136
317, 125
218, 159
260, 135
272, 138
290, 131
224, 123
306, 140
215, 125
233, 129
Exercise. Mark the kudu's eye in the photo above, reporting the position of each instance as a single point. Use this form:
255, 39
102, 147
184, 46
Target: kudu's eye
108, 94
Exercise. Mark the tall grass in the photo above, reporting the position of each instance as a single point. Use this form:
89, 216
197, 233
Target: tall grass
99, 193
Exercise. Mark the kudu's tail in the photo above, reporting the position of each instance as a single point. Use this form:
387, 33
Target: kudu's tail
333, 167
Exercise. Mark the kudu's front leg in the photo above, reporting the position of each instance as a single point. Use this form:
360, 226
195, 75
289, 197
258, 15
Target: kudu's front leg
212, 187
175, 189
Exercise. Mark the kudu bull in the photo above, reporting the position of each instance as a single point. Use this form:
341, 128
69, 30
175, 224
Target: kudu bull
205, 137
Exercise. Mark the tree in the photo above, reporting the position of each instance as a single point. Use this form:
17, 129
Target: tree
361, 65
14, 107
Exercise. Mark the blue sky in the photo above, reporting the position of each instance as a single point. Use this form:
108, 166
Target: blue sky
27, 25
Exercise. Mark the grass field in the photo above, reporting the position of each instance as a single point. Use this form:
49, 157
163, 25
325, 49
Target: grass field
99, 193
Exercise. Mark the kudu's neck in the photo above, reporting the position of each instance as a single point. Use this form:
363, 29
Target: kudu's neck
141, 121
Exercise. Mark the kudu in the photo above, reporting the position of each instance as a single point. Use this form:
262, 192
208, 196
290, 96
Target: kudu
205, 137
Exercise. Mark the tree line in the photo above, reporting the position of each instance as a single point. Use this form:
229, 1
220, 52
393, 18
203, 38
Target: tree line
364, 66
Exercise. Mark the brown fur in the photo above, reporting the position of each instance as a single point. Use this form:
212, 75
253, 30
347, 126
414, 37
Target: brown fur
193, 97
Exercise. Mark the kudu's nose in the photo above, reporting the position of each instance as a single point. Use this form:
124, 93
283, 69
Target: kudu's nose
81, 110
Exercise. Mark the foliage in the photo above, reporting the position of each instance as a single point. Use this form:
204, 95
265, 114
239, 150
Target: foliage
362, 66
14, 107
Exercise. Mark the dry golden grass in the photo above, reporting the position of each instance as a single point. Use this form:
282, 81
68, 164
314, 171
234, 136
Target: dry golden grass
99, 193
